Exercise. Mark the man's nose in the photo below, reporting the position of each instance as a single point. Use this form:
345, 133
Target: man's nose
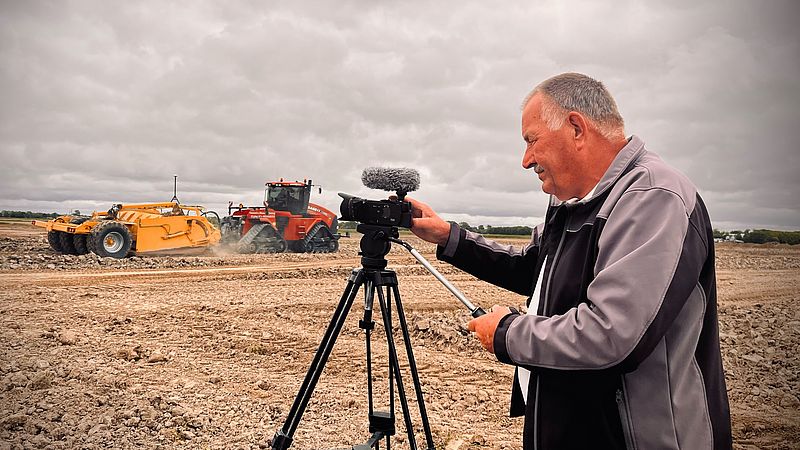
528, 159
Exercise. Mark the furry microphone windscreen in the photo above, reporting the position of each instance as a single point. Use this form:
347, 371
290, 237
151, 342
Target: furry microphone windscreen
391, 179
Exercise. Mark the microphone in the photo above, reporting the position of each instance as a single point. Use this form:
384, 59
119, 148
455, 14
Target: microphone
402, 180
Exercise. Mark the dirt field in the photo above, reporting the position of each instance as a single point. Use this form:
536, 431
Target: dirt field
209, 351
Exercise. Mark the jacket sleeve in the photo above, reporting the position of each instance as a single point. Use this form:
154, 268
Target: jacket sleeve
501, 265
649, 261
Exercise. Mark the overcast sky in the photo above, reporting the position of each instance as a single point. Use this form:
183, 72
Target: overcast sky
103, 101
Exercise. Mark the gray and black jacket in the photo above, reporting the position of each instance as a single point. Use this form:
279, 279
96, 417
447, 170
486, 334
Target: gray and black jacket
624, 351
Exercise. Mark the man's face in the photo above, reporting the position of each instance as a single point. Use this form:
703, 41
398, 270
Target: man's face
551, 154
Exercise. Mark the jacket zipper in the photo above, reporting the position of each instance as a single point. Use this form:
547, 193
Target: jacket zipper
536, 417
552, 269
544, 311
623, 417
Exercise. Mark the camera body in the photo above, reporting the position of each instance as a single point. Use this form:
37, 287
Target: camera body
389, 213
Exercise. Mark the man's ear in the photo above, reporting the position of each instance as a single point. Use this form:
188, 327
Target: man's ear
579, 127
578, 124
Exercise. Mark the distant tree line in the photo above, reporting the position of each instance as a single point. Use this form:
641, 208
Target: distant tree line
759, 236
28, 215
488, 229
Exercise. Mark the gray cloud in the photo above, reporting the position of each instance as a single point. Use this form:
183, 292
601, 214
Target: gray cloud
104, 101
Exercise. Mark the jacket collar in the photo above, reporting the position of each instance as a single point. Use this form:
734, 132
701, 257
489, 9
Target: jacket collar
624, 159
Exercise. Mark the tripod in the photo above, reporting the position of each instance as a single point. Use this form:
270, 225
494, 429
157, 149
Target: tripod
375, 278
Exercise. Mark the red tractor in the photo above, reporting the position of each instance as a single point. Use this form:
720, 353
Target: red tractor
287, 221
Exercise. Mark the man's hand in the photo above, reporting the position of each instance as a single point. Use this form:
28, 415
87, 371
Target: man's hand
485, 325
426, 225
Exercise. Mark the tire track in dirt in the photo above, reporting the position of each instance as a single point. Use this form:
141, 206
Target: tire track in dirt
174, 275
35, 277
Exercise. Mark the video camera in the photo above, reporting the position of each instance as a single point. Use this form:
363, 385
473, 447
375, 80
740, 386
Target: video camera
376, 212
390, 213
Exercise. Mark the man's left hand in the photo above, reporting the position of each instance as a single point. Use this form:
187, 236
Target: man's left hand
485, 325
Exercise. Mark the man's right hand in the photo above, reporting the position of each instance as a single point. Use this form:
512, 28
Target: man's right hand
426, 225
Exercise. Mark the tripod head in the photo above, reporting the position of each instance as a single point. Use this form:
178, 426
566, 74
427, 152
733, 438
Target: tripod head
375, 244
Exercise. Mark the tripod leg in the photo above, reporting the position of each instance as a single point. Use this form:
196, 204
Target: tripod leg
367, 324
283, 438
412, 365
394, 366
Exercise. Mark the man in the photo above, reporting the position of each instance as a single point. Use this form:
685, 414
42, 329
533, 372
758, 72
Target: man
620, 346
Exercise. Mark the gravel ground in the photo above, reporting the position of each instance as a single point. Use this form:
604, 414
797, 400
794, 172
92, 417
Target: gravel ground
209, 351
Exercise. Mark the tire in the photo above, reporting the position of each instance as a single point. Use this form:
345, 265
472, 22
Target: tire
319, 240
299, 246
90, 242
247, 248
280, 245
54, 240
79, 241
111, 239
269, 241
67, 247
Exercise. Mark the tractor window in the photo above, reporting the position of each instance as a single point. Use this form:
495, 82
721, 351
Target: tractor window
276, 197
288, 198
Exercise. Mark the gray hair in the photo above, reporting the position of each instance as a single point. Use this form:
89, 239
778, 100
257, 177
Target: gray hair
577, 92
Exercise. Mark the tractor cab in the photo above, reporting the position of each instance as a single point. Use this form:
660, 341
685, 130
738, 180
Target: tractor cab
290, 196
